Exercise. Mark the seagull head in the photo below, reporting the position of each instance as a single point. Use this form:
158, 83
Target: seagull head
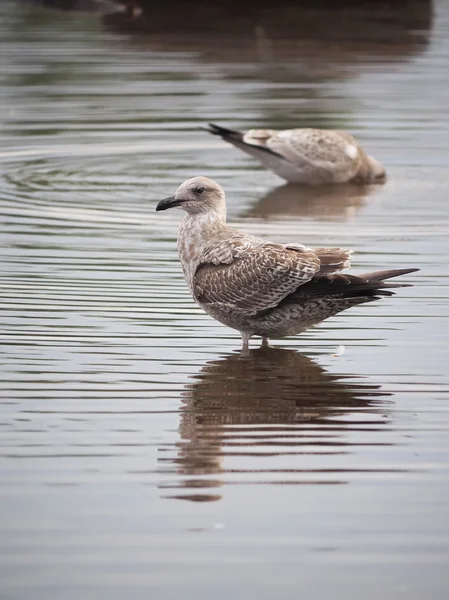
196, 195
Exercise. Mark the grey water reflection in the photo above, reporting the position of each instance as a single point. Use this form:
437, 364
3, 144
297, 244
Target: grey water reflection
339, 202
274, 403
378, 30
284, 56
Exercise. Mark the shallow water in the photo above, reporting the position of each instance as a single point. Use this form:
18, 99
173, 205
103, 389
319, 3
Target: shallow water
140, 454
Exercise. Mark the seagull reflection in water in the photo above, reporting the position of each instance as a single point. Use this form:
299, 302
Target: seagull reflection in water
336, 202
274, 402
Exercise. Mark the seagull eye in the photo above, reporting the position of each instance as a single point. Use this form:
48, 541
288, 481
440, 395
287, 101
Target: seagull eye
199, 190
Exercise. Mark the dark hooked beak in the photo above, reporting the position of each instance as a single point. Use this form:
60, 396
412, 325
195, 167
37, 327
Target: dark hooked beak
167, 203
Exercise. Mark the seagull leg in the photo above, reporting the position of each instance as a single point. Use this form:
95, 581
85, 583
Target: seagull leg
265, 342
245, 346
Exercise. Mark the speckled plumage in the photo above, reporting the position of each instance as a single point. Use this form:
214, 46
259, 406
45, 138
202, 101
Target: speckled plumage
308, 156
259, 287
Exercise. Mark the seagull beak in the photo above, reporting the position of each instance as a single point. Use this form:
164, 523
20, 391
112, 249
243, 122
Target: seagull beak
166, 203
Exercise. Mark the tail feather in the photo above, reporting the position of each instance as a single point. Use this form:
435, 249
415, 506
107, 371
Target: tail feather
333, 259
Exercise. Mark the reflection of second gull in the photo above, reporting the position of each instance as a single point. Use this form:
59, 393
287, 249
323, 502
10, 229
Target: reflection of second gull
326, 202
274, 402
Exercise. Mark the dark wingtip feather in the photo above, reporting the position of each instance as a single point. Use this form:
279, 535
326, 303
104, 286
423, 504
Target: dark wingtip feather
368, 285
221, 131
236, 138
387, 274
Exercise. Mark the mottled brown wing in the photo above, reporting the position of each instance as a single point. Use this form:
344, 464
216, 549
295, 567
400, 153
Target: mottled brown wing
259, 279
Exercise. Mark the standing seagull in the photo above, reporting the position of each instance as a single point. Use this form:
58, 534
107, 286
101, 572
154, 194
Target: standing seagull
260, 287
308, 156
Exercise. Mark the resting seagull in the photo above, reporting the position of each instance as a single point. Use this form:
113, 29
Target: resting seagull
260, 287
307, 156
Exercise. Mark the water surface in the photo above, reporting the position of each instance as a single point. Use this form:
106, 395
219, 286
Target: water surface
140, 454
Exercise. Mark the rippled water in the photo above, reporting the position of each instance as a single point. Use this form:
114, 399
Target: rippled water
140, 454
